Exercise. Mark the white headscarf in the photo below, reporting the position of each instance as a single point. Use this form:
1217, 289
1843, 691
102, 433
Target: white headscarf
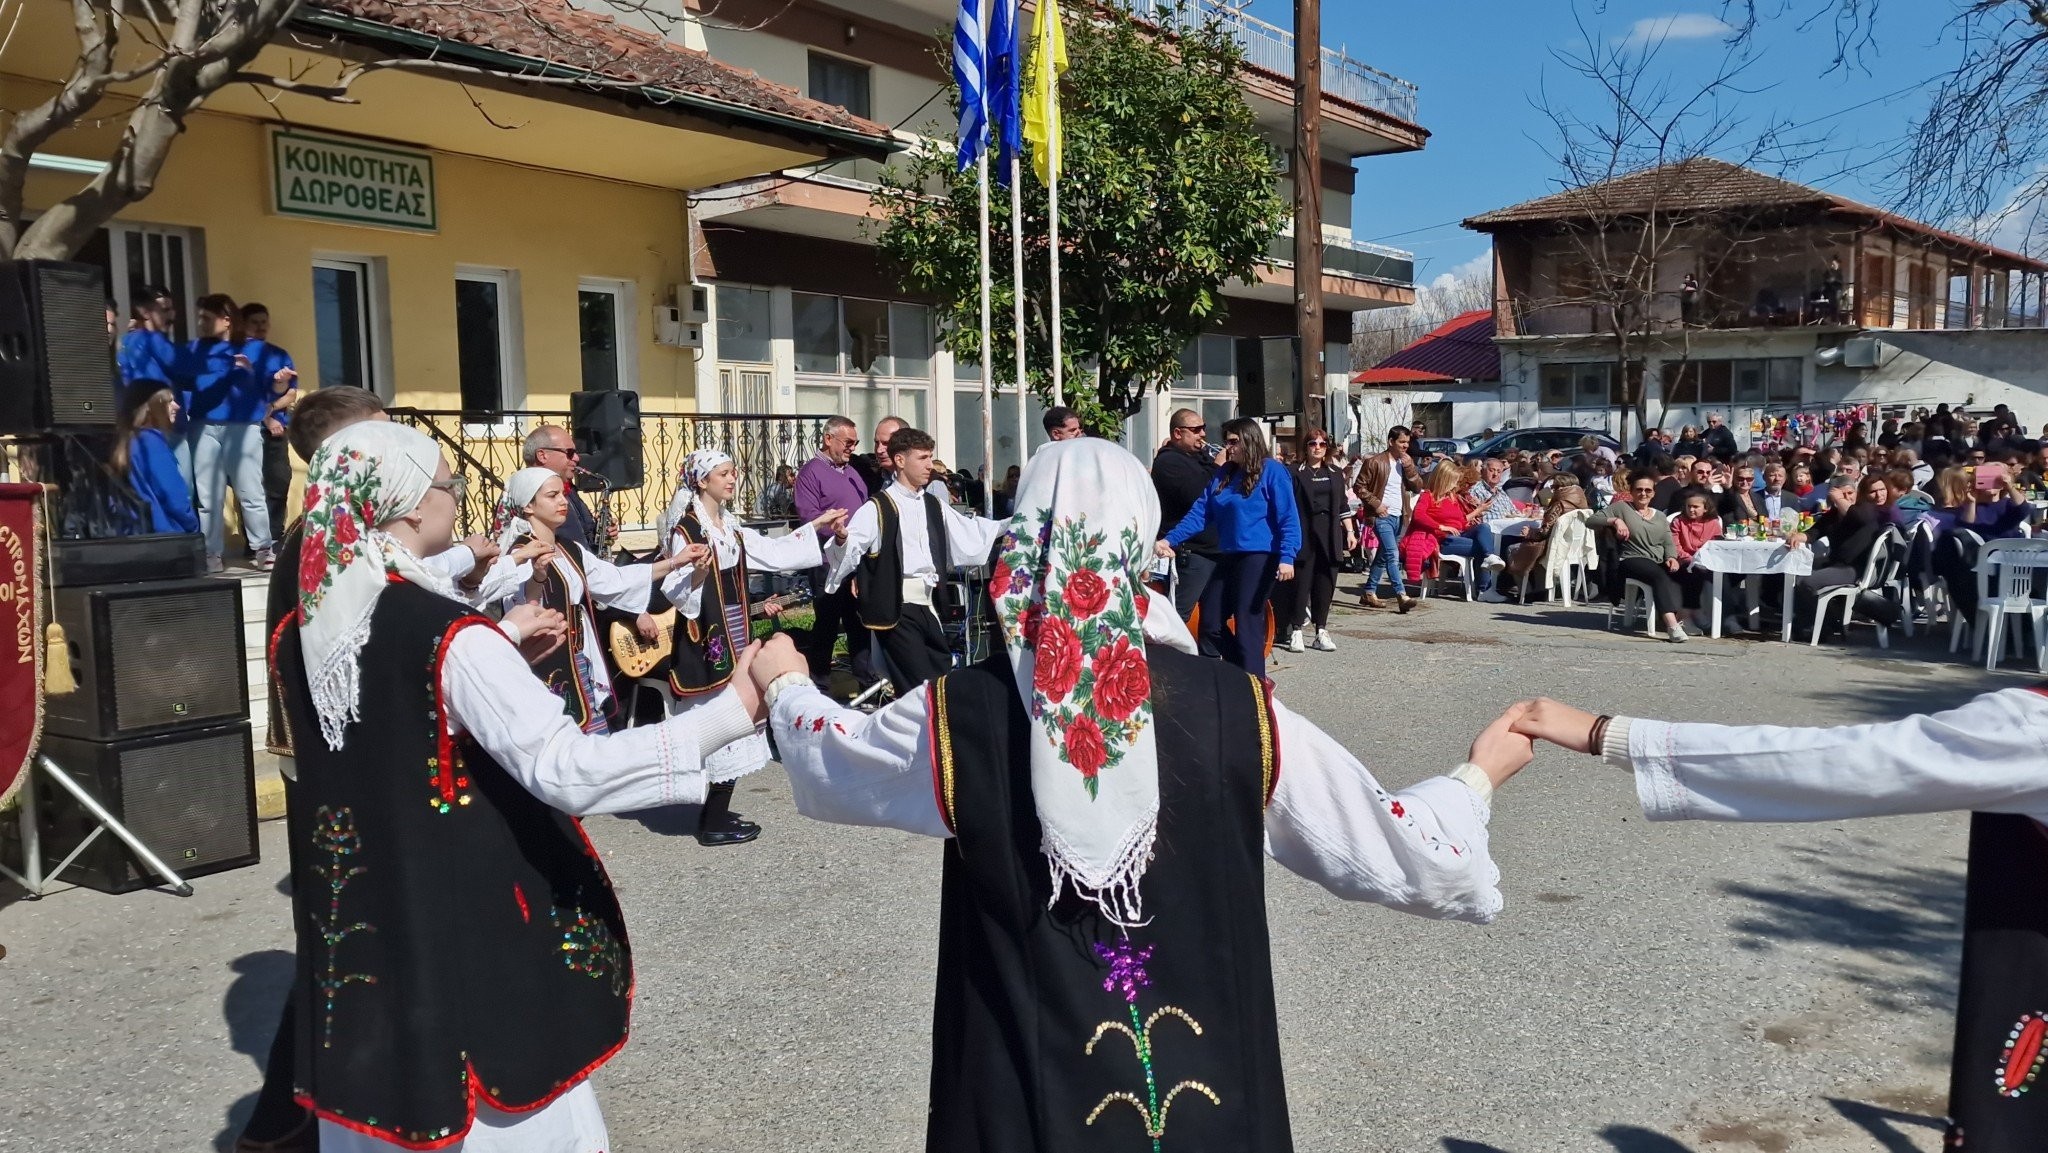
510, 523
1070, 592
696, 469
364, 476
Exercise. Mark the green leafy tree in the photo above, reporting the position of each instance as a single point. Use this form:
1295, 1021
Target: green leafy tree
1167, 192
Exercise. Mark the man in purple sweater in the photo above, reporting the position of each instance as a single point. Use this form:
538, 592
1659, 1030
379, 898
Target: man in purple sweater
828, 481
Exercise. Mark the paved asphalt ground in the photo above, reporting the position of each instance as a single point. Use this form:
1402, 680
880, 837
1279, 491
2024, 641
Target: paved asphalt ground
1669, 989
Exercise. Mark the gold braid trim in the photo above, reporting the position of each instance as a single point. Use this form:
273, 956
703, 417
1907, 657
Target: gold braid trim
1267, 760
943, 743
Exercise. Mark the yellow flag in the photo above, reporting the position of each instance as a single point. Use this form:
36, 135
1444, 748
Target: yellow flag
1042, 93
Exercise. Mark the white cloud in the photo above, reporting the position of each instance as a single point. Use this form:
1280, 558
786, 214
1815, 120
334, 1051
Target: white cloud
1677, 26
1479, 267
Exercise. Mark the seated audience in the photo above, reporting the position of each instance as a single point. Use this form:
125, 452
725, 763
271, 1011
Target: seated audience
1645, 551
1566, 495
1437, 523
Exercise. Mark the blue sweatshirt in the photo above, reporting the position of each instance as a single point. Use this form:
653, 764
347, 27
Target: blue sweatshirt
147, 355
265, 359
220, 392
153, 474
1264, 520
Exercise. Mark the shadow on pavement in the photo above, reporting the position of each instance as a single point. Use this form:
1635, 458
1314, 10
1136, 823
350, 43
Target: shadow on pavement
668, 821
1879, 1123
1636, 1139
251, 1008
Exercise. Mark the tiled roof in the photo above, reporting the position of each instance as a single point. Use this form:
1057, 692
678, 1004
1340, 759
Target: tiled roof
1462, 349
552, 35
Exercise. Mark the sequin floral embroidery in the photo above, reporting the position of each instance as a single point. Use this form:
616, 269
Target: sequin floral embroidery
588, 946
1126, 976
336, 840
2024, 1053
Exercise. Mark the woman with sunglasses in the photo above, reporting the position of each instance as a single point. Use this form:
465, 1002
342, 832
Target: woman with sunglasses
1327, 534
1647, 551
1258, 532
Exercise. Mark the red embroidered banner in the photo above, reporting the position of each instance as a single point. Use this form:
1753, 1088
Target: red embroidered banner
21, 633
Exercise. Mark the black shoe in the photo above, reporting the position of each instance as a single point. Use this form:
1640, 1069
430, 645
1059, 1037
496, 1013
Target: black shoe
1877, 607
731, 831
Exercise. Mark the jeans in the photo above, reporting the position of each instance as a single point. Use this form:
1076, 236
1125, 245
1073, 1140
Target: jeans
231, 455
1237, 595
1487, 542
1386, 530
1194, 572
277, 481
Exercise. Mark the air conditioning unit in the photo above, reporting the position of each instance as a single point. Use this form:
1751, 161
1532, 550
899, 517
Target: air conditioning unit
1860, 352
673, 329
694, 302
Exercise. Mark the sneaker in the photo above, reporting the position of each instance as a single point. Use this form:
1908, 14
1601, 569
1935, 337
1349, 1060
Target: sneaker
1677, 635
1493, 563
1294, 641
1323, 642
1492, 597
214, 565
264, 560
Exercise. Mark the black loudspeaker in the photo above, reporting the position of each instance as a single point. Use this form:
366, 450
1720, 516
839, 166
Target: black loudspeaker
606, 424
56, 360
189, 795
150, 657
1268, 376
126, 559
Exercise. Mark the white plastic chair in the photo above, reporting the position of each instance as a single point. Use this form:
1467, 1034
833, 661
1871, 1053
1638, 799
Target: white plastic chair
1634, 592
1444, 560
2015, 562
1873, 577
1571, 546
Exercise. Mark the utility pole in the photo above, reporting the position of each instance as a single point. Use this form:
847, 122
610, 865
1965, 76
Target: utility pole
1308, 199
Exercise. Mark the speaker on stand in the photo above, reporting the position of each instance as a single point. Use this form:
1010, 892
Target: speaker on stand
1268, 376
606, 425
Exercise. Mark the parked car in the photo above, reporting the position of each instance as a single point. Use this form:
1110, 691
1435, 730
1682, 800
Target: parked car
1541, 440
1448, 446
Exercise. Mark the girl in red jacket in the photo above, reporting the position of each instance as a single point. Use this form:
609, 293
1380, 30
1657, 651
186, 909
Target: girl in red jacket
1438, 522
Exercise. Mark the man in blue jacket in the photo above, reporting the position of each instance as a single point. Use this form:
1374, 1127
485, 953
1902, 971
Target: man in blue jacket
228, 407
273, 366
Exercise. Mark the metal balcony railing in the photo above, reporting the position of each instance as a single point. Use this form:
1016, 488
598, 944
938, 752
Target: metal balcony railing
1352, 258
1271, 47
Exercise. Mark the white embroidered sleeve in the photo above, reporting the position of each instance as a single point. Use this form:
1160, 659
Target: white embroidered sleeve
1422, 850
792, 552
1986, 755
863, 532
969, 539
684, 588
854, 768
625, 588
502, 580
491, 694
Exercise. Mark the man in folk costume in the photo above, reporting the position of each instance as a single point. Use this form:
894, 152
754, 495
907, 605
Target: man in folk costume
713, 614
1984, 758
463, 965
898, 550
1104, 976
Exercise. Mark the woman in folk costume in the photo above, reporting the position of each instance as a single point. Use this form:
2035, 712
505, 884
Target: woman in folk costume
1104, 976
1985, 757
712, 613
568, 578
463, 965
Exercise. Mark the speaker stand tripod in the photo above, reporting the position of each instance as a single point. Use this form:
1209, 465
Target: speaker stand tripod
37, 882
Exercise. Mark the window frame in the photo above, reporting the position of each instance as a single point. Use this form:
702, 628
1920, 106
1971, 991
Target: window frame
374, 325
511, 348
625, 332
866, 71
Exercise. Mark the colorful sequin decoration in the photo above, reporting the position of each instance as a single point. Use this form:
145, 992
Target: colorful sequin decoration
2024, 1054
335, 838
589, 947
1126, 976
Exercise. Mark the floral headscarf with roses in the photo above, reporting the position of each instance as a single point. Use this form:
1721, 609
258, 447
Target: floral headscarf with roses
366, 475
1069, 589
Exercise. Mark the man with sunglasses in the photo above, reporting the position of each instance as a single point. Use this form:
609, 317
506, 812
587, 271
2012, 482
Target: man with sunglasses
1181, 472
551, 447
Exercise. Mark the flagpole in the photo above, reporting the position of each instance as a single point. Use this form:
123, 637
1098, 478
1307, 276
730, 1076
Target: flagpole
1059, 394
988, 362
1017, 292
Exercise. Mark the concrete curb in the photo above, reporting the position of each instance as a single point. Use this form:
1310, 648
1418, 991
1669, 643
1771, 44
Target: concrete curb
269, 787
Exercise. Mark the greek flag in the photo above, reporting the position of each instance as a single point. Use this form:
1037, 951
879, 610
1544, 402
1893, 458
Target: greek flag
967, 61
1005, 87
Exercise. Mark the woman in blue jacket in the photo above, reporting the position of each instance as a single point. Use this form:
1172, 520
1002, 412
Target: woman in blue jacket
143, 454
1251, 503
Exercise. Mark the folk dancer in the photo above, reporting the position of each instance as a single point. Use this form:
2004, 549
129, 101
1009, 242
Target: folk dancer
538, 567
1105, 980
462, 963
713, 614
898, 549
1983, 758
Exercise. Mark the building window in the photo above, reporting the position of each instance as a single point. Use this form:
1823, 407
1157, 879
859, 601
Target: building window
1576, 385
1874, 290
847, 83
486, 341
1734, 382
1208, 381
865, 359
604, 330
344, 324
743, 324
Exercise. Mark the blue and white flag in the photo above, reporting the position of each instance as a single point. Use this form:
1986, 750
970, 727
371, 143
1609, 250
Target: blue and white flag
1005, 87
967, 73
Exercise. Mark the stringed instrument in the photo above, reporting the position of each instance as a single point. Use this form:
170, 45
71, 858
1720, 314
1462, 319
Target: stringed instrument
637, 656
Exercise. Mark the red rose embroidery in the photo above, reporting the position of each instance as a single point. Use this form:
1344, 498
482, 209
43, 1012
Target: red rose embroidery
1398, 810
1085, 748
312, 561
1034, 618
345, 530
1122, 680
1086, 594
999, 581
1058, 660
1144, 602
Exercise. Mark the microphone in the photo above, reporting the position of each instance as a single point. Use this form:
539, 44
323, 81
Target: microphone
603, 482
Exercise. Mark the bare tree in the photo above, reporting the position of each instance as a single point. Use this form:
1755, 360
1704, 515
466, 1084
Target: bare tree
1381, 333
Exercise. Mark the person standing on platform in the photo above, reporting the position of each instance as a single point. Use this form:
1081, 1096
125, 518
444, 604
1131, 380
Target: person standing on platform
551, 447
463, 962
899, 549
1181, 473
1326, 535
1105, 975
828, 481
874, 467
273, 366
1258, 534
227, 411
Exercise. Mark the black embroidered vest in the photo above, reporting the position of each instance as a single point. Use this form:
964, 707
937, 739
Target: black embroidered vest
558, 669
1030, 1053
458, 939
878, 585
281, 599
701, 657
1995, 1102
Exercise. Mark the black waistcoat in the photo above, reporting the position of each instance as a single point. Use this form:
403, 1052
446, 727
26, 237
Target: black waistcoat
703, 649
281, 600
879, 582
1995, 1102
457, 937
558, 669
1029, 1051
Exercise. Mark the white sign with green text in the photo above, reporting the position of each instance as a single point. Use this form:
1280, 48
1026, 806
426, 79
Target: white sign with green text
344, 181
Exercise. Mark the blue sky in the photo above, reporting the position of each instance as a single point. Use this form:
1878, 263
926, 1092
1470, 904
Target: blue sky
1481, 64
